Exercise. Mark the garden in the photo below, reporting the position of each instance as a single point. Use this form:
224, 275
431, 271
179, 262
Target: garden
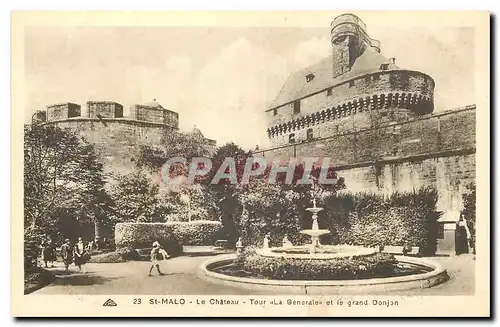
134, 210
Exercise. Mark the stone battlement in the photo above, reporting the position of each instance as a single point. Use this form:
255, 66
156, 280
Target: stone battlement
112, 112
431, 133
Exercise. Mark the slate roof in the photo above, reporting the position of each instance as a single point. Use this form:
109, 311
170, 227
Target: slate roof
297, 87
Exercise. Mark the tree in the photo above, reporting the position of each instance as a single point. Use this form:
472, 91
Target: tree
136, 199
62, 178
173, 144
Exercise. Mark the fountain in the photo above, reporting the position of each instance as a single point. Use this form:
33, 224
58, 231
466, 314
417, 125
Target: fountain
315, 232
317, 268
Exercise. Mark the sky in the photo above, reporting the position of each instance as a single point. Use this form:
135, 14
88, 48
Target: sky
220, 79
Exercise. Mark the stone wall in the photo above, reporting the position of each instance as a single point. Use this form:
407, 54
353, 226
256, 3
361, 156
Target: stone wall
367, 101
117, 141
435, 150
156, 115
105, 109
63, 111
449, 130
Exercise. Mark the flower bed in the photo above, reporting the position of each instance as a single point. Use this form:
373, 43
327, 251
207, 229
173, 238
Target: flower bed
376, 265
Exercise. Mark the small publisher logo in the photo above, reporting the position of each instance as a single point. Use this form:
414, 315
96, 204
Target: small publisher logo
109, 303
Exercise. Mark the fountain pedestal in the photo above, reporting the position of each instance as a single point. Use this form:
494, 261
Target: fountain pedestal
315, 232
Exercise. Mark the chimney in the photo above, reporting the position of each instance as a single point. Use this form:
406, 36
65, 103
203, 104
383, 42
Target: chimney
392, 60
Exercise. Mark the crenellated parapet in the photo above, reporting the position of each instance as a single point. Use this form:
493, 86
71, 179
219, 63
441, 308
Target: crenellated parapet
104, 109
63, 111
354, 88
378, 108
151, 114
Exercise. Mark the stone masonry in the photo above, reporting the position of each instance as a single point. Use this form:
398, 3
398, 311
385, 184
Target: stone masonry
117, 139
376, 123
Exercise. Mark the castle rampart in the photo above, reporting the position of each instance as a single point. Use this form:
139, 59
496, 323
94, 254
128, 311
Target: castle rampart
117, 139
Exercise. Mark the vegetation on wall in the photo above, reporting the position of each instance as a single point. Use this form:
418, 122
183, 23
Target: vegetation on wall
469, 214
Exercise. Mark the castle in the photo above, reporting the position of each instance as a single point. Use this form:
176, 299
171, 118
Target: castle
117, 139
376, 122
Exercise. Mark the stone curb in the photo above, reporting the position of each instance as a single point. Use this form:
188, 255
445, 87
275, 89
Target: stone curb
437, 276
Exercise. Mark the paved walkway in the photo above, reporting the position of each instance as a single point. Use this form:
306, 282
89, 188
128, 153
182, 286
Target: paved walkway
181, 278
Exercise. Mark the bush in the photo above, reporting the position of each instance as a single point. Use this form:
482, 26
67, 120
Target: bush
403, 218
376, 265
268, 208
186, 202
171, 235
110, 257
32, 240
469, 214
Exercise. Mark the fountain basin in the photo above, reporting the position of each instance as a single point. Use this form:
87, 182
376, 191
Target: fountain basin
326, 252
315, 232
432, 274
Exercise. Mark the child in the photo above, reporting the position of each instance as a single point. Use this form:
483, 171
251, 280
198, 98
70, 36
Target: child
157, 254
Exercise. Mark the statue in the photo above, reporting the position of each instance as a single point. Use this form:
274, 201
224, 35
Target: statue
239, 246
286, 242
266, 241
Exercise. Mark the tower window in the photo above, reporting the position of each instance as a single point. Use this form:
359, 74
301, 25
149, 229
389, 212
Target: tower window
309, 134
296, 107
291, 138
275, 112
351, 83
309, 77
329, 92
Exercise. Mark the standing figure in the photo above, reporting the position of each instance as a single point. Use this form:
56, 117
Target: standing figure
48, 252
239, 246
67, 253
81, 255
157, 254
266, 241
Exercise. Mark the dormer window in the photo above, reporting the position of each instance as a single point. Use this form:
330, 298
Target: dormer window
291, 138
329, 92
275, 112
384, 67
309, 77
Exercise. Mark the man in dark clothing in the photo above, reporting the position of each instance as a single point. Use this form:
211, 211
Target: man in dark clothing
67, 253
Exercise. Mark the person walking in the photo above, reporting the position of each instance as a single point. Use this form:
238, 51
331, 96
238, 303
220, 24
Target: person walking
67, 253
48, 253
157, 254
81, 255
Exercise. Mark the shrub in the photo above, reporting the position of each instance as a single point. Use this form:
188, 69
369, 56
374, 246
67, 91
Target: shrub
32, 239
186, 202
171, 235
110, 257
268, 208
403, 218
469, 214
377, 265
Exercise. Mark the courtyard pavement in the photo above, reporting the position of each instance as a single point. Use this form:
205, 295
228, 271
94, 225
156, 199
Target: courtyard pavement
181, 278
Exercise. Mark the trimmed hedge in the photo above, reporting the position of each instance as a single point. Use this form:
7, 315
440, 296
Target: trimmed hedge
171, 235
403, 218
366, 219
376, 265
110, 257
